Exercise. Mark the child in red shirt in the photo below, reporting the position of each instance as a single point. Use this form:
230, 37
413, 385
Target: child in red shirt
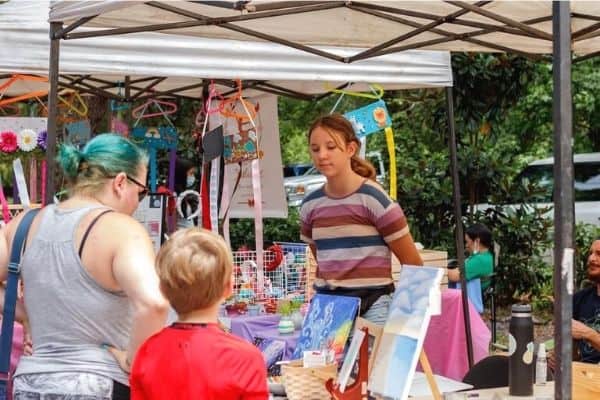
194, 358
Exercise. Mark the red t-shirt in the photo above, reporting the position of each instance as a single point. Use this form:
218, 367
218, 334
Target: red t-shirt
198, 361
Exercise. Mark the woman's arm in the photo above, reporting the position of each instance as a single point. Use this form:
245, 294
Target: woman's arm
454, 275
133, 268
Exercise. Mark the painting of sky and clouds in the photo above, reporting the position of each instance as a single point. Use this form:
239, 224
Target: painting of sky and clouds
404, 332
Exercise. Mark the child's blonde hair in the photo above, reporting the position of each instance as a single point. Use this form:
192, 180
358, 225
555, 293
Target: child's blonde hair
194, 267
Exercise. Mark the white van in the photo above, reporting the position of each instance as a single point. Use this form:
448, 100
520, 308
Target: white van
587, 185
297, 187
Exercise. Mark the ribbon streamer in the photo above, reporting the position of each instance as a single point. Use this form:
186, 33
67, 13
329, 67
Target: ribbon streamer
214, 193
44, 172
5, 210
389, 139
33, 179
171, 219
21, 184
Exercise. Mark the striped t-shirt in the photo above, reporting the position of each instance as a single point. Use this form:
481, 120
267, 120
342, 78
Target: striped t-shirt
351, 235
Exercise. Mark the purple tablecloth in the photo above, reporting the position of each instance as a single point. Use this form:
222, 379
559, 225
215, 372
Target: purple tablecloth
263, 326
444, 344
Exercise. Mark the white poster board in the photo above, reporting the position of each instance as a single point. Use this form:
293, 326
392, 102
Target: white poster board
17, 124
271, 169
150, 214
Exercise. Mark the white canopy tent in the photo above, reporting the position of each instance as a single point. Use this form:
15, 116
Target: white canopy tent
177, 61
384, 27
522, 26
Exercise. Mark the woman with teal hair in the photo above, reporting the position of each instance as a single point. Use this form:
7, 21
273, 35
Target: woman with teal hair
89, 281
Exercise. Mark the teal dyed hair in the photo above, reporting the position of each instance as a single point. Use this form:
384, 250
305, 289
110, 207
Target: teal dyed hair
103, 157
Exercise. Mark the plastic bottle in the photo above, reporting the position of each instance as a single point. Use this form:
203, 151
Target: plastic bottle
541, 365
520, 349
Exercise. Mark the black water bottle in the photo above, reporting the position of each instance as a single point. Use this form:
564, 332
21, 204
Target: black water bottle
520, 350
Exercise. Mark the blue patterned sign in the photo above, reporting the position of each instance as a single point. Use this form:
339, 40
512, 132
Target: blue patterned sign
369, 119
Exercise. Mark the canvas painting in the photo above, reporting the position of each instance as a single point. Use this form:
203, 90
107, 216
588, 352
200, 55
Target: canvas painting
405, 330
327, 324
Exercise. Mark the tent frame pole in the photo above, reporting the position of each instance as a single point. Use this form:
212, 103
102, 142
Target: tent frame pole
458, 233
563, 197
52, 111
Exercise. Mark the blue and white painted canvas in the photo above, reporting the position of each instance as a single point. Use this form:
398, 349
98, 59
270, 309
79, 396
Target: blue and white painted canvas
327, 324
405, 330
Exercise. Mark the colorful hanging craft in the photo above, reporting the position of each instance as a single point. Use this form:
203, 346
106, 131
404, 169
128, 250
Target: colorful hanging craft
118, 123
154, 139
244, 146
370, 119
157, 138
373, 118
78, 133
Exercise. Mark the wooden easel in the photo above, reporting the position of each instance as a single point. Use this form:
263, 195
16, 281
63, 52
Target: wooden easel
429, 374
358, 389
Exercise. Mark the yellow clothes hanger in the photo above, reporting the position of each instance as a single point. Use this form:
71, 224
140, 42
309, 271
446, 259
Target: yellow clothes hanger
75, 103
375, 88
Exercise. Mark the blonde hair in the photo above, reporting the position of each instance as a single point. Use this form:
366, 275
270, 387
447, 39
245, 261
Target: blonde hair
338, 128
194, 267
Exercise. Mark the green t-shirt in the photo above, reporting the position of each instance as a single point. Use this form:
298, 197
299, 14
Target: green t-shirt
480, 265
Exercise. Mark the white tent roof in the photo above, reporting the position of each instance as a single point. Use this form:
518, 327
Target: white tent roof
185, 60
519, 25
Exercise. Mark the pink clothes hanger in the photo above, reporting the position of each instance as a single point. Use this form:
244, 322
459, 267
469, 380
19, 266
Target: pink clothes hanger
206, 109
140, 112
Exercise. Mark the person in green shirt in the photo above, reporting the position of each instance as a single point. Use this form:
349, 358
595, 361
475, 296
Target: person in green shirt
480, 263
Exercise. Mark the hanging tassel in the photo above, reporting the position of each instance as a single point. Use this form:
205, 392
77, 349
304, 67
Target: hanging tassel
5, 210
205, 197
214, 193
33, 179
44, 182
389, 139
172, 218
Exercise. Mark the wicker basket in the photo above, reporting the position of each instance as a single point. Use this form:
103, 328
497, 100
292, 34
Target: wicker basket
306, 383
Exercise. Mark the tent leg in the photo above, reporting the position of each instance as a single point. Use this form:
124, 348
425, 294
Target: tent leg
458, 234
52, 111
563, 197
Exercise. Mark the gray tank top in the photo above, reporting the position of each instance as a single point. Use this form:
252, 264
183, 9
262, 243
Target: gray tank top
70, 314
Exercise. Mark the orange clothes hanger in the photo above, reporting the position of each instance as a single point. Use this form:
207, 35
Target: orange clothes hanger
20, 77
228, 106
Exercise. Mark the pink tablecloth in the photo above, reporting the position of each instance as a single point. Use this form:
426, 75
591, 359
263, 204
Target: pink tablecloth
445, 343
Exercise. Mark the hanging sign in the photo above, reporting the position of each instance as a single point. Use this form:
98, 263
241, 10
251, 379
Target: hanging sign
369, 119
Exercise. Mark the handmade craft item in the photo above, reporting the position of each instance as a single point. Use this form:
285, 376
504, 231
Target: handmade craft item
373, 118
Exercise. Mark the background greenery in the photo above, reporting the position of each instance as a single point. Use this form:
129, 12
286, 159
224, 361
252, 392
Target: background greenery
503, 111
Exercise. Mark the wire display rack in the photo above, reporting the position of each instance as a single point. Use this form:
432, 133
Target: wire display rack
283, 274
